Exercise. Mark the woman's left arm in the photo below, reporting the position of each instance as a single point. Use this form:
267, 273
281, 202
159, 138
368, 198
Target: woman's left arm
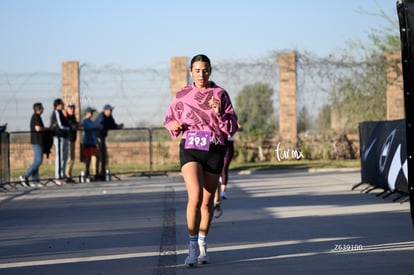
228, 118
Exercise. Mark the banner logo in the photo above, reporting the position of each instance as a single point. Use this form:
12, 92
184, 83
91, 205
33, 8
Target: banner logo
385, 151
366, 151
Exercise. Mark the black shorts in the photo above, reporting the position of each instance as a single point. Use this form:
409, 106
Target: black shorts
212, 160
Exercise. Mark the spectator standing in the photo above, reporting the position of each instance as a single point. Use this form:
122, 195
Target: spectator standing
36, 139
106, 122
74, 124
202, 113
90, 141
60, 127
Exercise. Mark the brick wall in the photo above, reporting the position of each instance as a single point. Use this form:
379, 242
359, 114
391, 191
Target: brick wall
21, 155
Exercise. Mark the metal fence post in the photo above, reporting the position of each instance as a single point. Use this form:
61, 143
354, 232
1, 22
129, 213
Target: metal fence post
150, 151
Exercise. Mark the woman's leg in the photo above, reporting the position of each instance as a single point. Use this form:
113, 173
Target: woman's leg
96, 163
193, 178
207, 210
71, 159
201, 187
217, 194
218, 211
87, 165
58, 154
227, 160
207, 205
64, 157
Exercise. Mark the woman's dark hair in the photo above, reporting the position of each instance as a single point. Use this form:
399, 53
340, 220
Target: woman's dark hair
202, 58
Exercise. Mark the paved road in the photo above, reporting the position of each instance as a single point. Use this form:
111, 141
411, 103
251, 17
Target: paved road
281, 222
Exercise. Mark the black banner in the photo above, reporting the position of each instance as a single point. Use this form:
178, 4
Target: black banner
383, 154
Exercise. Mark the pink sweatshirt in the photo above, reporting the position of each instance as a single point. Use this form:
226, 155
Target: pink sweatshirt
190, 108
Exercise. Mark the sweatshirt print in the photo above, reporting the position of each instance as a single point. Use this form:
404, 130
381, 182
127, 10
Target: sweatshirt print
190, 107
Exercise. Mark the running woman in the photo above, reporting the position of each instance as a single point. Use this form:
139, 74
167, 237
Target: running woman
202, 113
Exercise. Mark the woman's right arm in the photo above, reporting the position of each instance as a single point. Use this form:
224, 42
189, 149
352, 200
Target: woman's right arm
171, 123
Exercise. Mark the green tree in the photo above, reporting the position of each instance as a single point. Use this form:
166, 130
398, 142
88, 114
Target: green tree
304, 120
360, 95
255, 113
357, 76
323, 121
255, 110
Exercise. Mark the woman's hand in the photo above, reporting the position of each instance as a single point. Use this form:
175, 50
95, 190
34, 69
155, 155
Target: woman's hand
215, 104
176, 126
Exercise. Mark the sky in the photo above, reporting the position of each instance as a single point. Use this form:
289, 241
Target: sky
37, 35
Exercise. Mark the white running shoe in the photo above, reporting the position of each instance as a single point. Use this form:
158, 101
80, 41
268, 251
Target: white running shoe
217, 210
203, 258
193, 253
24, 181
58, 182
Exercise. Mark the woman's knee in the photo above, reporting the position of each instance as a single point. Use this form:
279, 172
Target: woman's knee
194, 201
193, 206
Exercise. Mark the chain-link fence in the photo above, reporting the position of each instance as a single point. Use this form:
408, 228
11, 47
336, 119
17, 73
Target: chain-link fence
142, 95
131, 152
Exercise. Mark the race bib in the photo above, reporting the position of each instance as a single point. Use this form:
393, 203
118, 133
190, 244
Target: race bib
198, 140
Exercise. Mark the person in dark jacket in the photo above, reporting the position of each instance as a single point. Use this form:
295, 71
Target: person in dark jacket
74, 125
106, 122
90, 142
36, 139
60, 126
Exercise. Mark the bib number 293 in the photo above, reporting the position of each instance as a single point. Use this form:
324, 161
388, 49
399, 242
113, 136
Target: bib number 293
198, 140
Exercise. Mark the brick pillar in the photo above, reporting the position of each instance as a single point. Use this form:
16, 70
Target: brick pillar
395, 90
178, 74
71, 94
70, 85
287, 98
